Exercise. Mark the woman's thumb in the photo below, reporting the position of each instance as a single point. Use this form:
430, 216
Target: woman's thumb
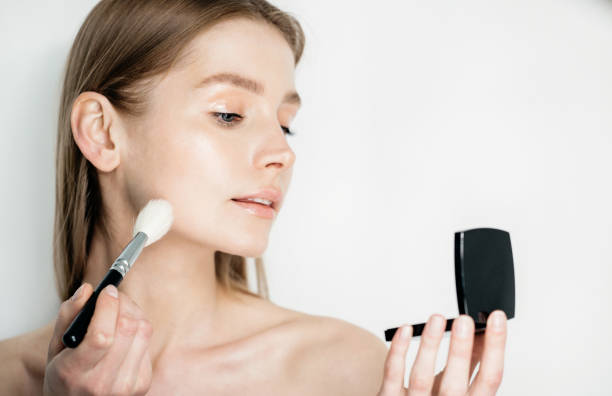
67, 312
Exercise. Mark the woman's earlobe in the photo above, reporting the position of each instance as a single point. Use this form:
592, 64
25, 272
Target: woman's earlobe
90, 122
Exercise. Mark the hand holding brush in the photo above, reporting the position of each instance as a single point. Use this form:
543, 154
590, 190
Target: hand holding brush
109, 327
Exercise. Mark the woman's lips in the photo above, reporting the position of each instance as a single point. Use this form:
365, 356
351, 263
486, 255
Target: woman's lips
257, 209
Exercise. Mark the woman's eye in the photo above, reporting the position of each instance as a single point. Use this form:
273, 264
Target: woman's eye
227, 120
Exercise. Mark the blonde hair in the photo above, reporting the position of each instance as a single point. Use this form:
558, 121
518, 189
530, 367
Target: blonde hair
120, 46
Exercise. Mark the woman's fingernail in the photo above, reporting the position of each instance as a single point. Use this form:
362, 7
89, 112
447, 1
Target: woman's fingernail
111, 290
463, 328
77, 293
498, 320
405, 332
436, 323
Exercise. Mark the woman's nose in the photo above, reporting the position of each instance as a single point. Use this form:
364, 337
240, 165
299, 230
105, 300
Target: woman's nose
282, 156
277, 152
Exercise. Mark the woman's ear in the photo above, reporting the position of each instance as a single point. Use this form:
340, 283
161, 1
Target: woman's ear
91, 120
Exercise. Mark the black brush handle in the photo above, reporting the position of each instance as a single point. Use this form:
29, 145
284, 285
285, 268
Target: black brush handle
77, 329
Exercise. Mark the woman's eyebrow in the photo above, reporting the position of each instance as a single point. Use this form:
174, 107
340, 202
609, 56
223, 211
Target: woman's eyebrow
244, 82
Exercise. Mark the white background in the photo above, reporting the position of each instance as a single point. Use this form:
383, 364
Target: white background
420, 119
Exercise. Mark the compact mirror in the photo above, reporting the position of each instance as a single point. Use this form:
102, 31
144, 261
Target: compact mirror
484, 277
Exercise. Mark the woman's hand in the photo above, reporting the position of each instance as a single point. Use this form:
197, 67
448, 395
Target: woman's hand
112, 359
462, 358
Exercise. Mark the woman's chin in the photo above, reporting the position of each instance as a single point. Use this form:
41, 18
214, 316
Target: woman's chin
247, 244
251, 250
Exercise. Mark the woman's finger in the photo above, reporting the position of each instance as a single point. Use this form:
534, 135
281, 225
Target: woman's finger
100, 332
456, 377
477, 349
395, 364
490, 373
422, 374
107, 370
127, 376
67, 312
128, 322
145, 375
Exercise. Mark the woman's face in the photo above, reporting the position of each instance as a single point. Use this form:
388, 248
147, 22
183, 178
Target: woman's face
184, 151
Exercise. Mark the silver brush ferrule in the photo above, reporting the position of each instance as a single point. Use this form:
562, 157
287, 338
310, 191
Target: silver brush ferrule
124, 262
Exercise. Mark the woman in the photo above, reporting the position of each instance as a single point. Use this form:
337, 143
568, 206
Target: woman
192, 102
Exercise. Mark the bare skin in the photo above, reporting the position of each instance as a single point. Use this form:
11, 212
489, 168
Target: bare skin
467, 349
293, 354
193, 337
187, 335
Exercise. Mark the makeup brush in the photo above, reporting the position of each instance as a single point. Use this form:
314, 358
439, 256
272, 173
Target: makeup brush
152, 223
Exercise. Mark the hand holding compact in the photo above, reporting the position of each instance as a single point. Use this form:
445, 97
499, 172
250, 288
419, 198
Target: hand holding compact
113, 357
464, 353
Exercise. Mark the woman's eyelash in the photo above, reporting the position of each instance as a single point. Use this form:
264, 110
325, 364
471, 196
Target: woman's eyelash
223, 121
287, 131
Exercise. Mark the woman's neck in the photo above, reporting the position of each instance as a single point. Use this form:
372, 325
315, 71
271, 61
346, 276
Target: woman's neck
173, 282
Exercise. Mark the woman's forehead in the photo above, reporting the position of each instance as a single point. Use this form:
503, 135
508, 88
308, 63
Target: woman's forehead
259, 62
237, 40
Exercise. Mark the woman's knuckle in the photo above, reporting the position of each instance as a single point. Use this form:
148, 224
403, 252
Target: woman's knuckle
420, 383
493, 379
101, 339
145, 328
389, 371
127, 325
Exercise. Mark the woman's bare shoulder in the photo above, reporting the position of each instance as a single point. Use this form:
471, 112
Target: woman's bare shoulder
24, 358
337, 357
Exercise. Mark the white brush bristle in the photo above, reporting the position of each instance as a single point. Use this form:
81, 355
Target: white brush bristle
154, 220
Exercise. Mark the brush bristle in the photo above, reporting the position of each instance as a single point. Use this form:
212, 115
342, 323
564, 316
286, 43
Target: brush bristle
154, 220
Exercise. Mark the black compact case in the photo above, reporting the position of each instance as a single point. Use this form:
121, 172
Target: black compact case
484, 277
